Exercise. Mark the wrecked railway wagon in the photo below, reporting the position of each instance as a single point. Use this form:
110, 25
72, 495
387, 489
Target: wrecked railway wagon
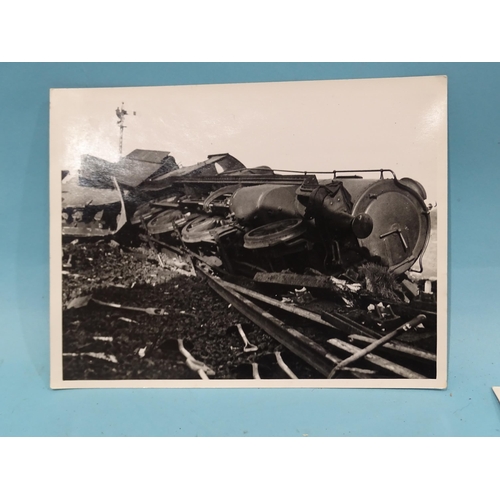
246, 221
94, 202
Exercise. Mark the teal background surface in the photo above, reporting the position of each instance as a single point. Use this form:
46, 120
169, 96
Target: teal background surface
467, 408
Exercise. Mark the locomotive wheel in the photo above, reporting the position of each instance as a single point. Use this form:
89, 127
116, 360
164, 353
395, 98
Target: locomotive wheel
273, 234
220, 194
144, 212
200, 229
164, 222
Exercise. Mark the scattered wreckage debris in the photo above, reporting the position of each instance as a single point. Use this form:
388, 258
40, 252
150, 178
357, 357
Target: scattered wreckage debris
201, 368
376, 343
414, 352
83, 301
78, 302
289, 337
154, 311
97, 355
255, 371
377, 360
248, 346
284, 366
303, 280
307, 349
127, 320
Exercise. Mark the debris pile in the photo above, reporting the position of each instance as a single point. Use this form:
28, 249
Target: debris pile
125, 315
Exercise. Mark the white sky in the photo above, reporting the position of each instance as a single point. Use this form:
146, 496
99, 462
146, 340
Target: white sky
398, 123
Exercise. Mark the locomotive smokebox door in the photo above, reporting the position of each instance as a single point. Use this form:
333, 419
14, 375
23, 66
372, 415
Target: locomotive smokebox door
401, 222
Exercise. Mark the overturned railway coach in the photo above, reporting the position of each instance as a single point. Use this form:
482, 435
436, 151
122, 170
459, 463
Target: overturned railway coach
252, 220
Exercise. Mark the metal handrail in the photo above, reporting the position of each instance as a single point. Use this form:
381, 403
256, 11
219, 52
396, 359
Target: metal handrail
381, 170
335, 172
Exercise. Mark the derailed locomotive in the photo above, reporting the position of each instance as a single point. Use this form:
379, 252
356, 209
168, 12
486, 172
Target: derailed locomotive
253, 220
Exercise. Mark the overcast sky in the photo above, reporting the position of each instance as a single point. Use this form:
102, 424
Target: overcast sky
397, 123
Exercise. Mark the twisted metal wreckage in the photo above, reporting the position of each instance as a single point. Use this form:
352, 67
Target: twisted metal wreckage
255, 232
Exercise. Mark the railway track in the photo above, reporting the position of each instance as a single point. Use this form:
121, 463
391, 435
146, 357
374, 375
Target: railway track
331, 344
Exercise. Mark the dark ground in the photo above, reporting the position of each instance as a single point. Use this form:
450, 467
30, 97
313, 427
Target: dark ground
137, 345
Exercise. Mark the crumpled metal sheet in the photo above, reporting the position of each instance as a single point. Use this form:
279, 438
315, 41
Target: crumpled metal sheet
148, 155
132, 170
226, 161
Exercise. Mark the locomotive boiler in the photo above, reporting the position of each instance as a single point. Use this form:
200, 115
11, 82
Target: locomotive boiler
249, 220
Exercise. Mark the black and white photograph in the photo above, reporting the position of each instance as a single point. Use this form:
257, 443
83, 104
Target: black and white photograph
284, 234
